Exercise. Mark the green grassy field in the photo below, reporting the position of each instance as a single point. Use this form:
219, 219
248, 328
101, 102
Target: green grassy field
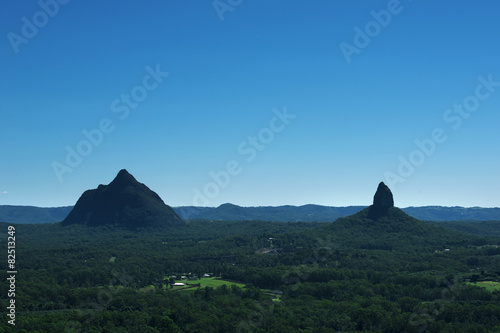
213, 282
216, 282
274, 297
488, 285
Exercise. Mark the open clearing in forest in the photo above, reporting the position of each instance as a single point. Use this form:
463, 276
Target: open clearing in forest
212, 282
488, 285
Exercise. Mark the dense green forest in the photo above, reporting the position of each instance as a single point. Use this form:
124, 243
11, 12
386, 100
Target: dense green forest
393, 274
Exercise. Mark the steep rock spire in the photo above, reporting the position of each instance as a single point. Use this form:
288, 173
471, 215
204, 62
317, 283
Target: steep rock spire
383, 197
382, 202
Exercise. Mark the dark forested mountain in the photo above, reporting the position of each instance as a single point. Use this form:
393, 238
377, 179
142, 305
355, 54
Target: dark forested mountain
383, 226
125, 202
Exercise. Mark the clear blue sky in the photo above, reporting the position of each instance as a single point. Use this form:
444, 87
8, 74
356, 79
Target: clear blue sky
353, 88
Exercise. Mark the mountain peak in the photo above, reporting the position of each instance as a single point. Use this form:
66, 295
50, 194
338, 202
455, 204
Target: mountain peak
382, 215
383, 197
229, 205
124, 177
123, 173
125, 202
382, 202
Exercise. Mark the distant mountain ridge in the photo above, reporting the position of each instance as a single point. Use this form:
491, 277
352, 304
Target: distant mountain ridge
305, 213
32, 214
439, 213
317, 213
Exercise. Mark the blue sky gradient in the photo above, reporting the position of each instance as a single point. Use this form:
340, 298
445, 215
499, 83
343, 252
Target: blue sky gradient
236, 67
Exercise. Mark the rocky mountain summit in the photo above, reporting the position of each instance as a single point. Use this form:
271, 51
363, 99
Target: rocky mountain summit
383, 197
382, 202
124, 202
